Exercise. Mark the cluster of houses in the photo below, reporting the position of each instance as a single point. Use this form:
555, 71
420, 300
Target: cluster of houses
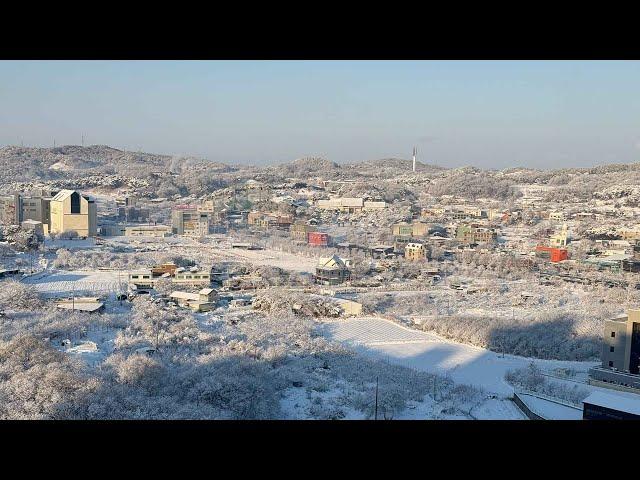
350, 205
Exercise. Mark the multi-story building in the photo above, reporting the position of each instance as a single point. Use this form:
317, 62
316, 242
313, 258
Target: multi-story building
416, 229
73, 212
141, 278
433, 212
560, 239
556, 216
620, 353
630, 234
318, 239
133, 214
332, 270
274, 220
203, 301
299, 231
348, 205
19, 207
10, 211
193, 276
475, 234
126, 201
552, 254
494, 214
415, 251
164, 269
189, 220
146, 278
160, 231
35, 208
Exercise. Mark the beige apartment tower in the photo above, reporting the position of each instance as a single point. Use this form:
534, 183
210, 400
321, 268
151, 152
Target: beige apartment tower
72, 212
620, 353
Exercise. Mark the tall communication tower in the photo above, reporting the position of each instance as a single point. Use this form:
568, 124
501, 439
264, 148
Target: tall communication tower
415, 151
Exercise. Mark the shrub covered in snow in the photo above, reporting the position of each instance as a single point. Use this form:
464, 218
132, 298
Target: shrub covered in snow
531, 379
17, 295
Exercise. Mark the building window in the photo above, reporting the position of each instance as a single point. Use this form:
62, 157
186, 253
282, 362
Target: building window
611, 349
610, 363
75, 202
613, 334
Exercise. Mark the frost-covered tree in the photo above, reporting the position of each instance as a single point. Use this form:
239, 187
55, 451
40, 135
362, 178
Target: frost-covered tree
19, 296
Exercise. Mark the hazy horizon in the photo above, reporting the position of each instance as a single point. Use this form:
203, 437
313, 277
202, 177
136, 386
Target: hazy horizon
487, 114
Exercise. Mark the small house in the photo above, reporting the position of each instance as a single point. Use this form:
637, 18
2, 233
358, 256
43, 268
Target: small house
203, 301
332, 270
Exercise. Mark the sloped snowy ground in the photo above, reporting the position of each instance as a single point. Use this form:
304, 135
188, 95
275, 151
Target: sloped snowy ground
429, 352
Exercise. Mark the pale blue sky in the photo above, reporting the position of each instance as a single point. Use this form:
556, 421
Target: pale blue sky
491, 114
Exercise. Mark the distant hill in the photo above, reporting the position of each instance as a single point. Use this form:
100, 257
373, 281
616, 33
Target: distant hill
30, 163
390, 167
304, 167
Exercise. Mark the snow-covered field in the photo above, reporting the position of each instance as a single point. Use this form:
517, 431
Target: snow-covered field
80, 281
218, 248
428, 352
266, 257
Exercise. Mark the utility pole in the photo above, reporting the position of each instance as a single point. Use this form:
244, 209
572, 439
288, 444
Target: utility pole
376, 408
434, 387
83, 139
119, 288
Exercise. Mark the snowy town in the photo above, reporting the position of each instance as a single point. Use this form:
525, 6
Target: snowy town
148, 286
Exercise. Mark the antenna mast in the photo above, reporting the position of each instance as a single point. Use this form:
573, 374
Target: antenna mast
415, 151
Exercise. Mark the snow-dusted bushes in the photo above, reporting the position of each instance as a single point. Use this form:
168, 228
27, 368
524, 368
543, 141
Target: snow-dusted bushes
240, 366
531, 379
562, 331
278, 301
79, 259
551, 335
19, 296
38, 382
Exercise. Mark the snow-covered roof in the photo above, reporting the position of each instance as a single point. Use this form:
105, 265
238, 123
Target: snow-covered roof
205, 291
614, 401
185, 296
81, 306
62, 194
331, 262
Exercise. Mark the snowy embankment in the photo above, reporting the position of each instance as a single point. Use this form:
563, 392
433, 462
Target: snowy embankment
550, 409
433, 354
